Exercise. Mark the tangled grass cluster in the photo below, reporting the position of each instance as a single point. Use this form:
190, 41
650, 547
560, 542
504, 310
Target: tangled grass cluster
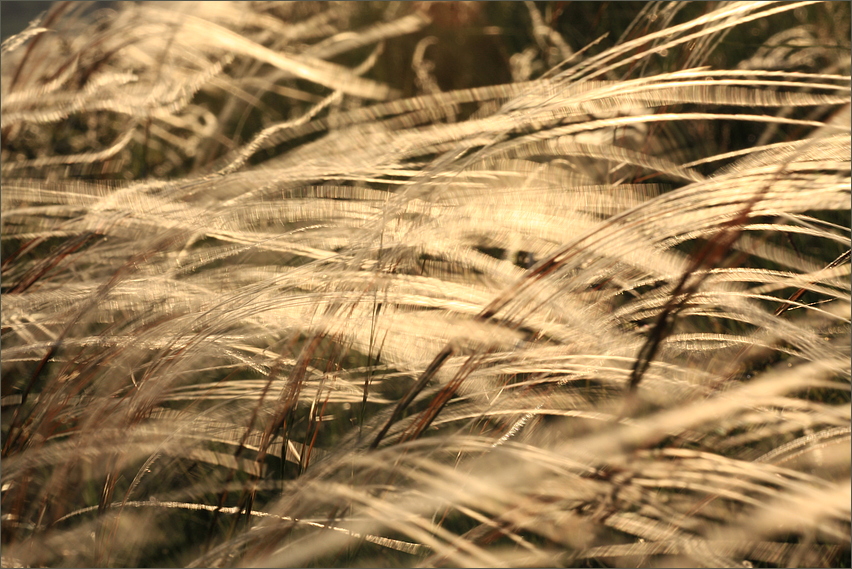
434, 284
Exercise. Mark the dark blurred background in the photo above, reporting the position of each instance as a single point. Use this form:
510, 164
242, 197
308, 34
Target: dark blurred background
14, 16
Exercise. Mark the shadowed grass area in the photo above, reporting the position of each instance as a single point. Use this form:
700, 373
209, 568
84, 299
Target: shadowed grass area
432, 284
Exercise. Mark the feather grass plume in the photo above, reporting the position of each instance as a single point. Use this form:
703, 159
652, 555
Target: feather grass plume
292, 284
